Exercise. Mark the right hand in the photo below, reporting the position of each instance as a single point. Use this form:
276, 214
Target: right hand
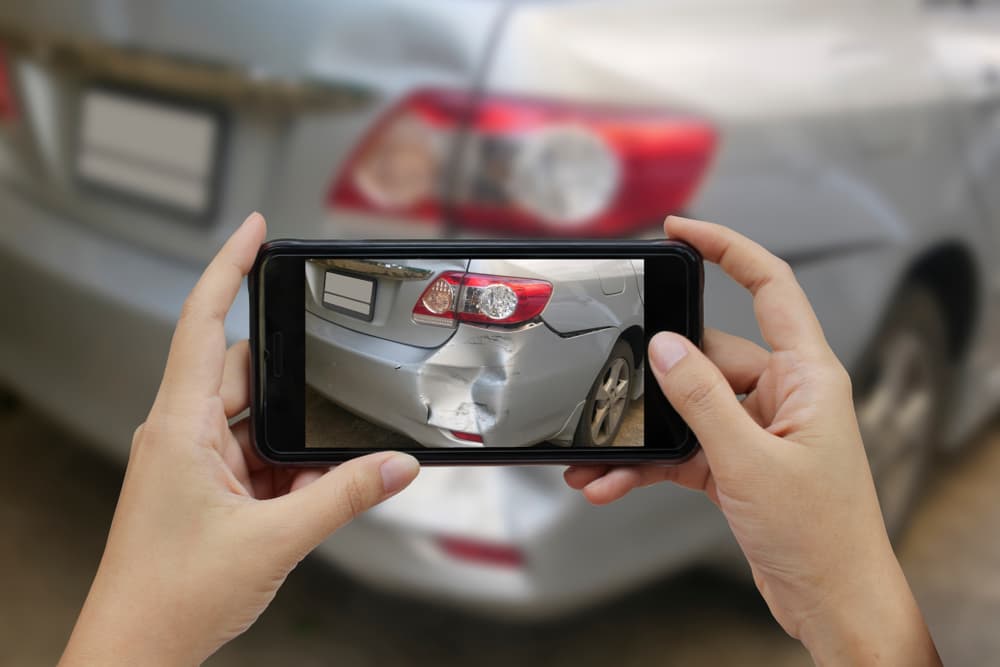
786, 465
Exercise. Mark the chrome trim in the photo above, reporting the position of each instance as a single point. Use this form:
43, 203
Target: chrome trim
212, 82
374, 267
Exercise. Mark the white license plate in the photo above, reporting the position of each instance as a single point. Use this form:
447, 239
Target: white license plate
349, 295
158, 152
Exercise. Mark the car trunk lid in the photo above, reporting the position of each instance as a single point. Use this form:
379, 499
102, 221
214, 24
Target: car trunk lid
281, 93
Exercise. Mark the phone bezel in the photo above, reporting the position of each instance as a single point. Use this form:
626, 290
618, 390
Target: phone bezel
287, 320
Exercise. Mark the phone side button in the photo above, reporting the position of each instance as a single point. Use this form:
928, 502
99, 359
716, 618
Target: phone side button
277, 354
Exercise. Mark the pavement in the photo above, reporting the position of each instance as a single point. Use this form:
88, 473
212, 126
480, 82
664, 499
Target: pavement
57, 497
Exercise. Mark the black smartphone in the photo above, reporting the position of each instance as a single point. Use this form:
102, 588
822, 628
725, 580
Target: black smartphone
463, 352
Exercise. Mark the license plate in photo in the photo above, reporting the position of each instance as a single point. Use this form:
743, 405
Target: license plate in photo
349, 295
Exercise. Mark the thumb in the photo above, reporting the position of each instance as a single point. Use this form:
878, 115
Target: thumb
311, 513
700, 394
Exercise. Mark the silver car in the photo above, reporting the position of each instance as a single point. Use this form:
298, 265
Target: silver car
487, 352
856, 139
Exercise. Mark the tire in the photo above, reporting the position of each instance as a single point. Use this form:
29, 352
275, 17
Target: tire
901, 393
608, 400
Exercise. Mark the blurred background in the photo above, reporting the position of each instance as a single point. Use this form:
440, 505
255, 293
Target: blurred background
858, 140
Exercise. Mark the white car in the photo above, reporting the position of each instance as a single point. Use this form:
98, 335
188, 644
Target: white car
856, 139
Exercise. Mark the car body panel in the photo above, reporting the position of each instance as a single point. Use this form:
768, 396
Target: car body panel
964, 37
477, 383
529, 507
119, 305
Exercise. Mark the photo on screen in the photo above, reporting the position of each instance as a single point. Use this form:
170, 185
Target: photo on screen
475, 353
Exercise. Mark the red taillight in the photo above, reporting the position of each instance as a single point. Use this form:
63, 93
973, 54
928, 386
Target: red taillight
475, 297
525, 166
8, 107
486, 553
468, 437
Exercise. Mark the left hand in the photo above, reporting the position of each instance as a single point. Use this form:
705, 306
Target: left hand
205, 532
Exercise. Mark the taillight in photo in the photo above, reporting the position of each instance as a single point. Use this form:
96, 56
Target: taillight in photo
522, 166
437, 304
466, 436
474, 297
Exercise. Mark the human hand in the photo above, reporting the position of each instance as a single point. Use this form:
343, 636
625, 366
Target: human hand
205, 532
786, 466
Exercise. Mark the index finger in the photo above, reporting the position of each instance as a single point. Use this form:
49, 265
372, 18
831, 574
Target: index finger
198, 349
784, 314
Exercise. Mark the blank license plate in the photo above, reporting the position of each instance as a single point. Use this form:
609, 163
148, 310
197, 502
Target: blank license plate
157, 152
349, 295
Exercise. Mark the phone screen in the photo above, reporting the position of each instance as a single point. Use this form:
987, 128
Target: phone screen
480, 353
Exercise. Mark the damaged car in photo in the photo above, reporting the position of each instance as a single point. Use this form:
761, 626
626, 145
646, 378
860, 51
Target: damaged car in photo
478, 353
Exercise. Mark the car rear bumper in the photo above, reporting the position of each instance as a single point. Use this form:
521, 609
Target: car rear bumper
87, 321
513, 388
574, 554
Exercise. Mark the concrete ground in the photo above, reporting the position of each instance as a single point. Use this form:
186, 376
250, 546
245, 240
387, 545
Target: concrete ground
327, 422
57, 497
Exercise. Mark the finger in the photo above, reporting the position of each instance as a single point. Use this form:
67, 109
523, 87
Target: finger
244, 438
235, 389
235, 457
197, 352
305, 477
785, 317
312, 512
577, 477
692, 474
614, 484
740, 360
698, 391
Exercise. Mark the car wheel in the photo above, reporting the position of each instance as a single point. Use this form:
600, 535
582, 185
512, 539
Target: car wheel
901, 389
609, 397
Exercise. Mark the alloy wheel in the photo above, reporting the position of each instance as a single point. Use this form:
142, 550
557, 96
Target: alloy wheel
610, 402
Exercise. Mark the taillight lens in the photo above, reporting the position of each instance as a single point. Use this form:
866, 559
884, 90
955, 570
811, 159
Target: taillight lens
474, 297
437, 304
468, 437
526, 166
400, 165
8, 106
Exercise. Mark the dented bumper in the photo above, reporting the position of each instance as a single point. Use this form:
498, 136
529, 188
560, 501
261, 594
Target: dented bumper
512, 387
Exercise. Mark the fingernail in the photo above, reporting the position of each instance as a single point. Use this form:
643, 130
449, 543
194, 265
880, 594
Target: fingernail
665, 350
397, 471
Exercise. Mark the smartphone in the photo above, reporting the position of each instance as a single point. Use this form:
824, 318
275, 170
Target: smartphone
463, 352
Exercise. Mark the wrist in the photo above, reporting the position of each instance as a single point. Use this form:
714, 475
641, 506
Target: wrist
116, 627
874, 621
